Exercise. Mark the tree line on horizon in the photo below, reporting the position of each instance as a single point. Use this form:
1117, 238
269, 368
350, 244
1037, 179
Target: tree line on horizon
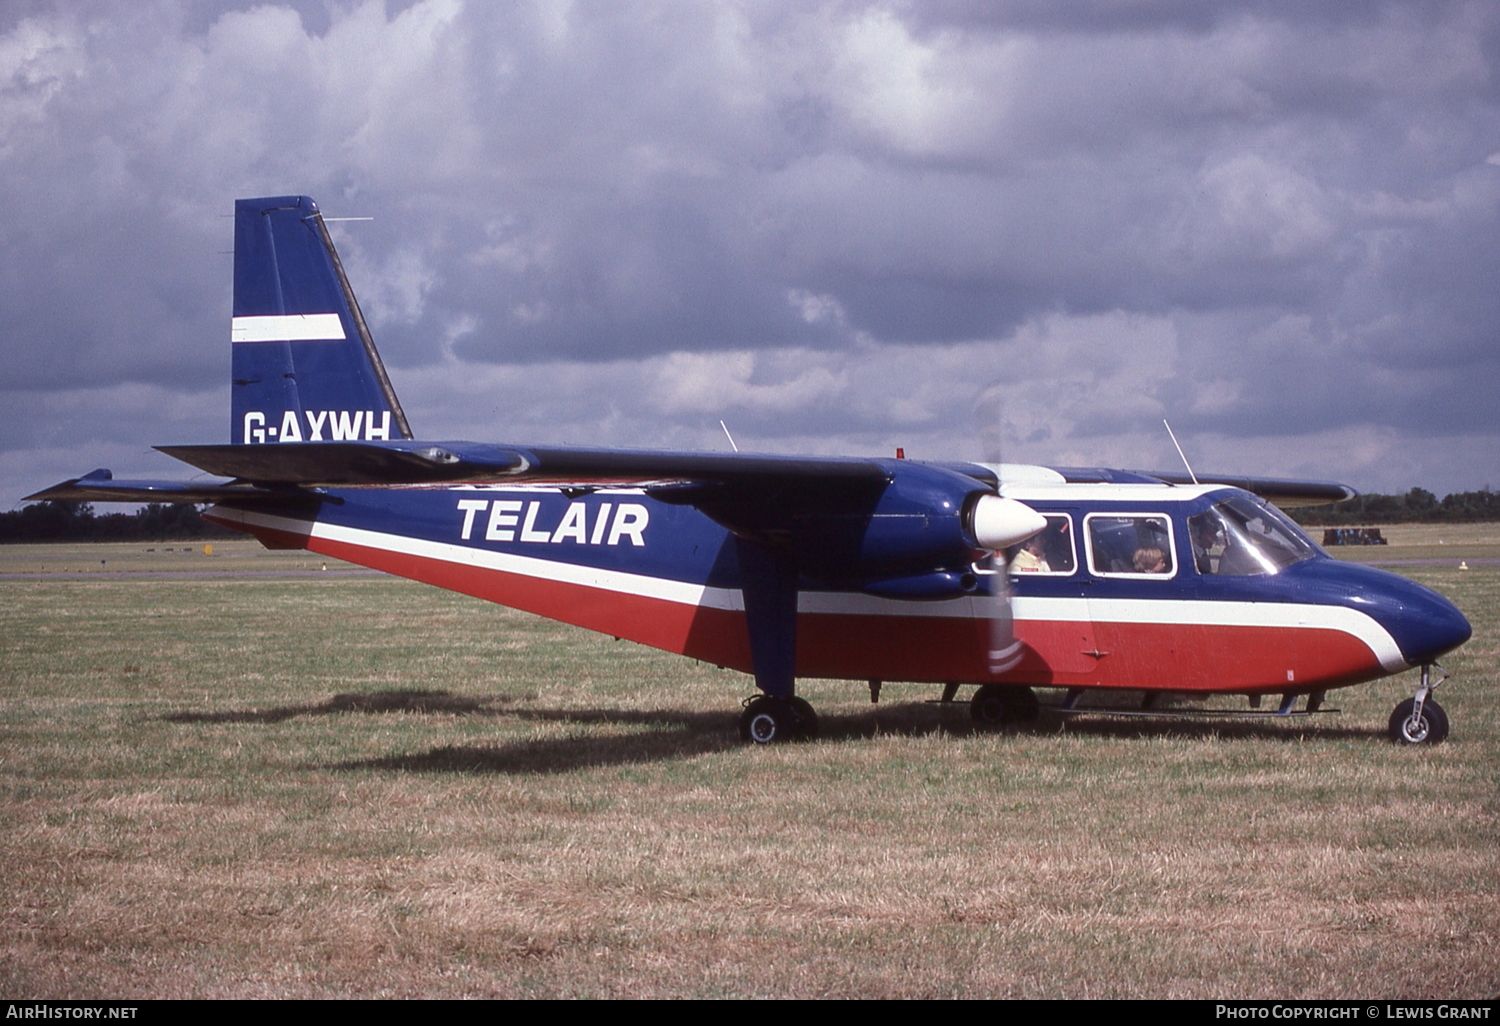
76, 521
1418, 506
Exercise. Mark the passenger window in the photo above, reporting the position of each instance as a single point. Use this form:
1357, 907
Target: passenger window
1125, 545
1048, 552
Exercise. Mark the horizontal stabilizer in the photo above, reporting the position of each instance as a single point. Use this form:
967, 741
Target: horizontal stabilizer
100, 486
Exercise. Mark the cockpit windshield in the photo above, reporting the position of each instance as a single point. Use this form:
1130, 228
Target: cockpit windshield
1243, 537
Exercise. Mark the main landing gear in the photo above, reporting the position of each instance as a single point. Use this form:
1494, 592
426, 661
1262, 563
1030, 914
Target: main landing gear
768, 719
1003, 705
1419, 720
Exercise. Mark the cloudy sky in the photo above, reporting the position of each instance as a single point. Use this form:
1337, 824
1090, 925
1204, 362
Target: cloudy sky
840, 227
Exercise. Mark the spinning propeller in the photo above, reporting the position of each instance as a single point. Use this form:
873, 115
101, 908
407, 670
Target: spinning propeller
999, 523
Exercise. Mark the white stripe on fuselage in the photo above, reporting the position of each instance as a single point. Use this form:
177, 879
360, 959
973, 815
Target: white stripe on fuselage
1201, 612
619, 581
842, 603
322, 327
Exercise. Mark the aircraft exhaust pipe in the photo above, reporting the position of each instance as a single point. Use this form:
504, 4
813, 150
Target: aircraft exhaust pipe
997, 522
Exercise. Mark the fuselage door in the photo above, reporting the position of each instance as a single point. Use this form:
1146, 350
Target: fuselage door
1050, 607
1134, 598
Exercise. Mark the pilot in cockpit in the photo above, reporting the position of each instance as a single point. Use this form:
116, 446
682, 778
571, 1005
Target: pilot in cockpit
1206, 538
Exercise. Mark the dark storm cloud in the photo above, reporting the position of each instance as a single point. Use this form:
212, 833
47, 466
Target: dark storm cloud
1265, 220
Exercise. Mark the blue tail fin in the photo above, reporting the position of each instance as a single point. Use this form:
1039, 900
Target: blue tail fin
305, 368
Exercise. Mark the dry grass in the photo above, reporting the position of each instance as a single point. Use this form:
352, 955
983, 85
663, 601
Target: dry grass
142, 558
323, 785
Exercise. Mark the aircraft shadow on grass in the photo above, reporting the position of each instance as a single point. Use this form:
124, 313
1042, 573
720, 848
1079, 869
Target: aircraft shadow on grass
683, 734
372, 702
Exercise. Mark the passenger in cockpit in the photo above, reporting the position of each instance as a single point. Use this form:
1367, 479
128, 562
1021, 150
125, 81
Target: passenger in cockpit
1031, 557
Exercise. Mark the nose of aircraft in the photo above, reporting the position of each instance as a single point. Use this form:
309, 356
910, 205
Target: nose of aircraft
1432, 626
1424, 624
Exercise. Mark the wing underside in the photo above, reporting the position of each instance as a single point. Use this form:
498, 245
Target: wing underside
277, 472
436, 464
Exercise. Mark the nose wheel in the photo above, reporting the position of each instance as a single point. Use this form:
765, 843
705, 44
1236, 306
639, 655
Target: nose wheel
1419, 720
1410, 727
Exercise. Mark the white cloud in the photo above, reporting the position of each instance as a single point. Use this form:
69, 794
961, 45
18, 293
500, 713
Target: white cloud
1263, 209
37, 61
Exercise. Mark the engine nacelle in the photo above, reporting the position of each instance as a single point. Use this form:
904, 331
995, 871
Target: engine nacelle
944, 584
923, 526
925, 529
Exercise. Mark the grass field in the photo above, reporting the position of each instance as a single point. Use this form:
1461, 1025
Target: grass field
307, 783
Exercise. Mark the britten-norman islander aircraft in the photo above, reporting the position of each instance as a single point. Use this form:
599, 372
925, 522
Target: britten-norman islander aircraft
1003, 576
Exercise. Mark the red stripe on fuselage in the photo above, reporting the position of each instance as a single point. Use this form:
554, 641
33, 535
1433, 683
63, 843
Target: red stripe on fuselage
1190, 657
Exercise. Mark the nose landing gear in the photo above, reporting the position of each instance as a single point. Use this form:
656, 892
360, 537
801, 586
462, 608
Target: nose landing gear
1419, 720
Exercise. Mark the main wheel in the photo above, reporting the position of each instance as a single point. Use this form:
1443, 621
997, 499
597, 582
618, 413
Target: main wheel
1428, 729
999, 705
767, 720
764, 722
1024, 708
806, 727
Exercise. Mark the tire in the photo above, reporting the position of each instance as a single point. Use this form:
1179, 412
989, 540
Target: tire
1024, 707
762, 724
1431, 729
769, 721
806, 727
1000, 705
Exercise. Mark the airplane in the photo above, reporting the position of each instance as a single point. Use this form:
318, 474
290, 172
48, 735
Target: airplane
1005, 577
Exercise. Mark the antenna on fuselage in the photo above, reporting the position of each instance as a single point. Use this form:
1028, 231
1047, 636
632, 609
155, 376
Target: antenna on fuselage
1172, 435
729, 436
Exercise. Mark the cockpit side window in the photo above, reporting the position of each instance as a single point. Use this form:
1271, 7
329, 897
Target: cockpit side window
1243, 537
1130, 545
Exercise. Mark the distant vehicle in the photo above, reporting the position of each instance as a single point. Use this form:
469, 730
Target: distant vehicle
1002, 576
1352, 536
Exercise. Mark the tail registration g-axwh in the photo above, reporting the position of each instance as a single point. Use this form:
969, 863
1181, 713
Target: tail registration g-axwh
1000, 576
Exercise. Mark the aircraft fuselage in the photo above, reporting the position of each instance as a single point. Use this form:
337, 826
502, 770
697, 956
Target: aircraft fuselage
622, 563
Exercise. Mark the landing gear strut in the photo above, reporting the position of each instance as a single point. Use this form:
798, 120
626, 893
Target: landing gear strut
769, 720
1419, 720
769, 583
